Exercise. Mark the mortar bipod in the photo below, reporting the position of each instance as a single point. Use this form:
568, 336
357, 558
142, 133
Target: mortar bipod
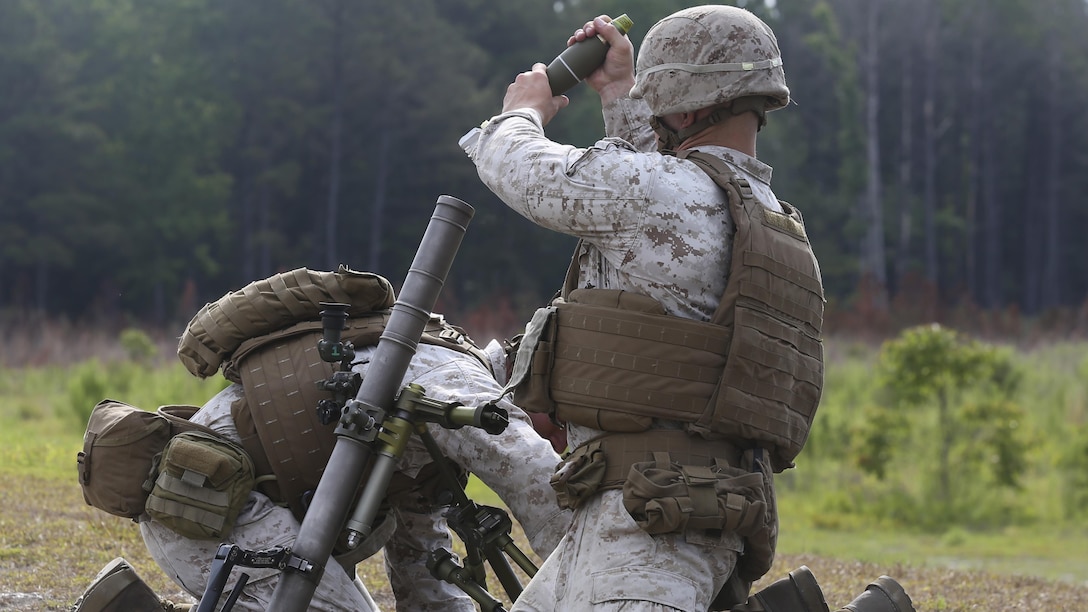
485, 532
230, 555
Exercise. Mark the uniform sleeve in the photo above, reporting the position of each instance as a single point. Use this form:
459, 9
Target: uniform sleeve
516, 464
600, 193
629, 119
216, 413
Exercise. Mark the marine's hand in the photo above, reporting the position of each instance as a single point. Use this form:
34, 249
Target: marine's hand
615, 78
531, 90
549, 431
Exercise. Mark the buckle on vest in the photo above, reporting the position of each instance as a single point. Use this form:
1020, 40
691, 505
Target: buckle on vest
452, 335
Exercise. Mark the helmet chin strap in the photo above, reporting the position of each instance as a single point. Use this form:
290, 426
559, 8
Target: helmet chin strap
669, 139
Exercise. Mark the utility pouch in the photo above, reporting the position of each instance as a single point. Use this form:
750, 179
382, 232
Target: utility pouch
580, 475
664, 497
199, 485
531, 373
761, 539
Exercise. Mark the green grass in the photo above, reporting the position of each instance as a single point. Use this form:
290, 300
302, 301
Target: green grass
43, 446
40, 448
52, 543
1051, 552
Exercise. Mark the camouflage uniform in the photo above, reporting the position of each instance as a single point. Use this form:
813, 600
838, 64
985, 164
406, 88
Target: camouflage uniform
651, 224
515, 464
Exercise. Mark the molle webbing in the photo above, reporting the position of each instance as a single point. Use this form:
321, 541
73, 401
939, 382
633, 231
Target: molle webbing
754, 372
203, 482
278, 420
773, 302
626, 449
622, 362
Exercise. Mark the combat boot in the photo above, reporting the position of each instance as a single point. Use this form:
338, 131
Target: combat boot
797, 592
882, 595
117, 588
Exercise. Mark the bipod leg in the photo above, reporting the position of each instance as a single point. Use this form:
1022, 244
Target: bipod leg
503, 571
474, 562
511, 549
484, 530
443, 566
224, 561
236, 592
230, 555
488, 529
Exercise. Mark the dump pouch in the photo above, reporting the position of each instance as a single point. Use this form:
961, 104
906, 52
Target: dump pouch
663, 496
201, 483
676, 482
761, 540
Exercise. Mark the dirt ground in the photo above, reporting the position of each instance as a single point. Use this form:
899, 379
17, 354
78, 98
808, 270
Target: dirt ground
52, 544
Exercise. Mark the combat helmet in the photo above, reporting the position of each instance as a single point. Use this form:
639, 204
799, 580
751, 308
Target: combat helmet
708, 55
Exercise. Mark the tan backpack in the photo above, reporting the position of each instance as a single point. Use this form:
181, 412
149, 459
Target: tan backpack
278, 421
271, 304
264, 337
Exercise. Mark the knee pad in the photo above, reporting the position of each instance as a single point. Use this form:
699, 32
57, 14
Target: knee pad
882, 595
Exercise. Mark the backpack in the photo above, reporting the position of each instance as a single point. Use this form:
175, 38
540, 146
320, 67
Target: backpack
119, 453
271, 304
264, 337
278, 421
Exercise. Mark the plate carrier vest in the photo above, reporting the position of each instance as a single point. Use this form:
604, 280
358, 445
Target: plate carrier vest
613, 360
278, 420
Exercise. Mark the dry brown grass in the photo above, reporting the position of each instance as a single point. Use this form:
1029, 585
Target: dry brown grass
52, 544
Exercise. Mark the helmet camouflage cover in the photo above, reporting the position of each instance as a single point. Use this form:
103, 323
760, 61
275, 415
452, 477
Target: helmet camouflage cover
707, 55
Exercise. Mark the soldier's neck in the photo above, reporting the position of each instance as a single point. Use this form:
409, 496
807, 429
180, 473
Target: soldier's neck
737, 132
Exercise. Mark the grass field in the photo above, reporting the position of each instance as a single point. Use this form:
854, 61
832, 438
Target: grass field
52, 543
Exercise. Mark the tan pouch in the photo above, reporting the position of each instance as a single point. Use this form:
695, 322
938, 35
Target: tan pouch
120, 447
664, 497
202, 483
532, 368
580, 475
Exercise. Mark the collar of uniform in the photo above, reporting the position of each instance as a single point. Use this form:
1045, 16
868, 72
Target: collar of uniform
750, 165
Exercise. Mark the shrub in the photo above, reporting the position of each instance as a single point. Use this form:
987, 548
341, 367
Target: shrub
138, 346
945, 426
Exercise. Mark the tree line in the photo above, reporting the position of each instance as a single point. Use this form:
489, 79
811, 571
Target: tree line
154, 155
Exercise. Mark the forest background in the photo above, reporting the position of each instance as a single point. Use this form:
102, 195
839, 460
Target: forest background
155, 155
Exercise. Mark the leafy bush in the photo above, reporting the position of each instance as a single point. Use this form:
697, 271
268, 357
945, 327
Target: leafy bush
944, 429
138, 346
138, 384
92, 381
